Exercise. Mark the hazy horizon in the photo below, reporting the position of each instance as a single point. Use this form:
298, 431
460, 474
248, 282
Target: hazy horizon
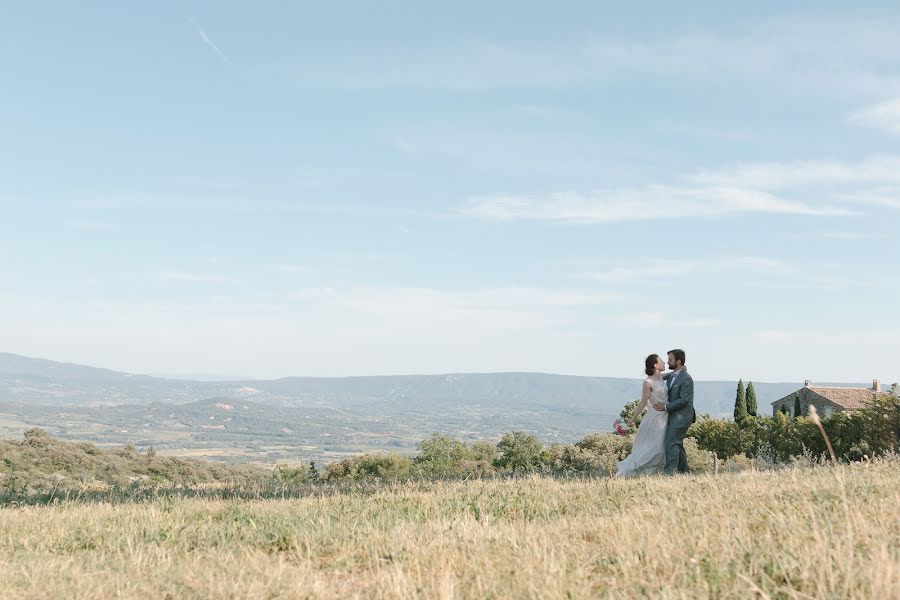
226, 378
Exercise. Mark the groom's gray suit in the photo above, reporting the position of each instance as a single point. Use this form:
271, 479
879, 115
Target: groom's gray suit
680, 407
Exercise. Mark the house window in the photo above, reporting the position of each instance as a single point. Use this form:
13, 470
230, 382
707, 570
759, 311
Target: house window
828, 411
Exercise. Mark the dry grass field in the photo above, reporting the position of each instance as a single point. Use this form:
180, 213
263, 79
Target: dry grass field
812, 532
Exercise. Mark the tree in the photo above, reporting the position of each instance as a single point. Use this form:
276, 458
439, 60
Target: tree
798, 411
751, 400
313, 472
442, 456
740, 403
520, 451
881, 422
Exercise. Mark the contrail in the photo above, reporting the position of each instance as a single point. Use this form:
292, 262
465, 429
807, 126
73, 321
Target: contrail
212, 45
203, 37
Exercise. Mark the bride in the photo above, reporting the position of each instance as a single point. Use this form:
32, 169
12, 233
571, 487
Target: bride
648, 453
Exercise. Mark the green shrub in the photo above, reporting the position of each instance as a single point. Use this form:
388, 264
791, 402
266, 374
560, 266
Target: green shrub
520, 452
725, 438
287, 475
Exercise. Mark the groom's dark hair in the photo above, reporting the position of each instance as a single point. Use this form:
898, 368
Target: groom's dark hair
678, 353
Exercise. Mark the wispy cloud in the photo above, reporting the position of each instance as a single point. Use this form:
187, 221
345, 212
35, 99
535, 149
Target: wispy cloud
747, 271
851, 235
831, 56
657, 202
831, 338
286, 268
880, 196
794, 174
884, 116
662, 321
88, 225
838, 189
188, 277
664, 270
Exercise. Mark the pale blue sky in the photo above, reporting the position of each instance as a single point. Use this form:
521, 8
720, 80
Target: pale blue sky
346, 188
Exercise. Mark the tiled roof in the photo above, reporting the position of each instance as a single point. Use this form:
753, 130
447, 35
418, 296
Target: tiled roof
846, 398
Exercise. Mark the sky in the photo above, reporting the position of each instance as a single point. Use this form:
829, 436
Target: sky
360, 188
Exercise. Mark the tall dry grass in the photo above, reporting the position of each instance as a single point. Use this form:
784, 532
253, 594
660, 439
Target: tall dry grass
821, 532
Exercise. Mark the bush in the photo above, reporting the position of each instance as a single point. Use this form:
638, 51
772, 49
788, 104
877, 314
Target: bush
442, 456
725, 438
387, 466
40, 463
520, 452
285, 475
699, 460
595, 454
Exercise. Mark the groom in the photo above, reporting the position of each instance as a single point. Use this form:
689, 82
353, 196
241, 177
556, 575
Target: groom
681, 412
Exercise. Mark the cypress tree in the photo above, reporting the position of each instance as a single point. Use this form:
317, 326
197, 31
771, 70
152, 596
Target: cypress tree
797, 409
740, 403
751, 400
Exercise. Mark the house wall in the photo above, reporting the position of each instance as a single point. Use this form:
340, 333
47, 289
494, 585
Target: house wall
824, 407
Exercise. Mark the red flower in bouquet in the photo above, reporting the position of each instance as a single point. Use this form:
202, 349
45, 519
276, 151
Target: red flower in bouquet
621, 428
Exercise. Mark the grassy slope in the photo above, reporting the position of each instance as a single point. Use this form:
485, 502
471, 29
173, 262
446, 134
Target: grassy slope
820, 532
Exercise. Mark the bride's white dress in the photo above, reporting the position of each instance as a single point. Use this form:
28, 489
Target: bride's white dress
648, 454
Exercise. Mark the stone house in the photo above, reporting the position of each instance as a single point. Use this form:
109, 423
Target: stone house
827, 400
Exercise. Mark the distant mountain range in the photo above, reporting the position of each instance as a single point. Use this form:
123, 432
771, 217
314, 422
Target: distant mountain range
311, 417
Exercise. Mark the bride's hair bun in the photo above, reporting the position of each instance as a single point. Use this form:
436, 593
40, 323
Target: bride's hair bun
650, 364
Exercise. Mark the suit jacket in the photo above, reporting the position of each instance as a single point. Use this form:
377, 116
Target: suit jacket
680, 405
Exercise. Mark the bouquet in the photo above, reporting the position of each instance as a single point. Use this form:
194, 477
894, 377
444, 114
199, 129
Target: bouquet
621, 428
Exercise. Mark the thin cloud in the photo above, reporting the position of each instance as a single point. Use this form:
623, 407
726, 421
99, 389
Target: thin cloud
829, 56
656, 202
88, 225
660, 270
292, 269
660, 320
794, 174
884, 116
188, 277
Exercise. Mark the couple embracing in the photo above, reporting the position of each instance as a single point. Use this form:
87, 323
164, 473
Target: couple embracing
659, 443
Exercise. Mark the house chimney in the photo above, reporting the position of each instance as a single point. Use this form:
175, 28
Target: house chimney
876, 386
807, 383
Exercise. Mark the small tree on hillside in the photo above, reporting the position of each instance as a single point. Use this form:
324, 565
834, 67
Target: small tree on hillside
520, 451
751, 400
798, 410
442, 456
740, 403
